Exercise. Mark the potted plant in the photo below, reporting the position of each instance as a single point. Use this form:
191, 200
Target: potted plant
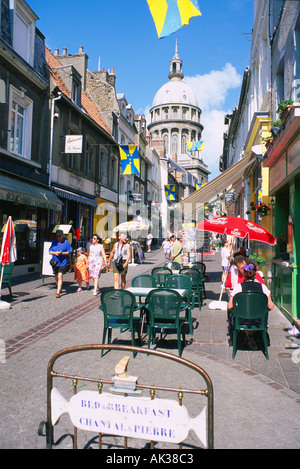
281, 244
283, 108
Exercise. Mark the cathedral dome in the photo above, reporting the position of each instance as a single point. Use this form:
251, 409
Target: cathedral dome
175, 92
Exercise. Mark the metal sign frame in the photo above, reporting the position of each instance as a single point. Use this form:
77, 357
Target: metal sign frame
47, 429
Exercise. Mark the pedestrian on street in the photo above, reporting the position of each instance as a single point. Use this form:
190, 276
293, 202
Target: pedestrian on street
81, 269
166, 246
60, 251
225, 260
176, 250
121, 256
149, 241
95, 258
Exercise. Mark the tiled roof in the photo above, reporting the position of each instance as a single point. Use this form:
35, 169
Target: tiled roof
87, 104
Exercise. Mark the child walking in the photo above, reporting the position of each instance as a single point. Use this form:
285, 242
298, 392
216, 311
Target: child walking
81, 269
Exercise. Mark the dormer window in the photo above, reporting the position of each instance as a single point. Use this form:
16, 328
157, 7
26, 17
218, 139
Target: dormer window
76, 91
24, 31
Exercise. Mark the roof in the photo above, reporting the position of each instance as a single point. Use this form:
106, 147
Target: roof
175, 92
87, 103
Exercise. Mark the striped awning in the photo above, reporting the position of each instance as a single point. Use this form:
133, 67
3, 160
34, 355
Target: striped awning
219, 184
76, 197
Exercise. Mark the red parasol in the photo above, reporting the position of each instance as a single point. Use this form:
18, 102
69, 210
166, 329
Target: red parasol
9, 247
238, 227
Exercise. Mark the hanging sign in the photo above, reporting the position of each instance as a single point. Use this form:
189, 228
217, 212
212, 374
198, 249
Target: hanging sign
73, 144
135, 417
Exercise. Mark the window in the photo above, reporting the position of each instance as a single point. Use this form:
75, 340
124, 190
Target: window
175, 112
280, 81
20, 123
24, 31
166, 140
174, 143
103, 168
183, 144
76, 90
89, 158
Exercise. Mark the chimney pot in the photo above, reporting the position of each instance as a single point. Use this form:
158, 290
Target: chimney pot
65, 52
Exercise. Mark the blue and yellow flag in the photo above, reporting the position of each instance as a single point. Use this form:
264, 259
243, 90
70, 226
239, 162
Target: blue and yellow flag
170, 192
171, 15
195, 146
130, 159
199, 186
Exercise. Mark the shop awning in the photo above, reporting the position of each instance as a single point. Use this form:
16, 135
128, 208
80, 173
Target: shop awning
220, 183
76, 197
23, 192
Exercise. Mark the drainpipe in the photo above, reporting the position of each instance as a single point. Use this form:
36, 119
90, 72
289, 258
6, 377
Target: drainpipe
51, 135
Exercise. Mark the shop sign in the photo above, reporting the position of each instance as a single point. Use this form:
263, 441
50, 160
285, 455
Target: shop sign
73, 144
134, 417
278, 172
27, 200
294, 157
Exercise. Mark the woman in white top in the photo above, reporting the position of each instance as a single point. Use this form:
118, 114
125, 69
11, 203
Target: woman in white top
120, 249
95, 257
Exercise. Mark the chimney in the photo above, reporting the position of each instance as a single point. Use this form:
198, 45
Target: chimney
56, 52
65, 51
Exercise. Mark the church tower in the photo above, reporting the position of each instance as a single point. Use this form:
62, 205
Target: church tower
176, 120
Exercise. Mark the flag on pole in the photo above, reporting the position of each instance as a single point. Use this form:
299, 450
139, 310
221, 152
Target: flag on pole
199, 186
170, 191
129, 159
9, 246
171, 15
195, 146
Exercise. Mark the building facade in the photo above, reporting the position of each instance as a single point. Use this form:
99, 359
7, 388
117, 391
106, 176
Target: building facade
25, 192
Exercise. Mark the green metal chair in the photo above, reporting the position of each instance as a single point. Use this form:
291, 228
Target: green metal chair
163, 306
188, 303
172, 265
6, 279
161, 274
250, 313
118, 307
202, 268
196, 277
144, 280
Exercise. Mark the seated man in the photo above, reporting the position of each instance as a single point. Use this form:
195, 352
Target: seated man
236, 274
250, 283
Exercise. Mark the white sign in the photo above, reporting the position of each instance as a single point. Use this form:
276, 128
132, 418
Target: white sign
134, 417
73, 144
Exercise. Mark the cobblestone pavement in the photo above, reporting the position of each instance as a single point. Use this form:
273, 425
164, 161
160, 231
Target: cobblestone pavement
256, 401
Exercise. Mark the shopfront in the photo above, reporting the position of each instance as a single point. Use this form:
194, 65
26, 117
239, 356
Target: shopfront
30, 206
283, 160
78, 211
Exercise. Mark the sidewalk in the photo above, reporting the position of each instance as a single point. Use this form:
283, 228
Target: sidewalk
256, 401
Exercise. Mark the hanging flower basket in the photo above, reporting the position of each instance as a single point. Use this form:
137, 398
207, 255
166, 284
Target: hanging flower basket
262, 209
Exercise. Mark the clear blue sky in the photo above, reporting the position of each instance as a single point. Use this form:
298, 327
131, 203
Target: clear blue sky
215, 49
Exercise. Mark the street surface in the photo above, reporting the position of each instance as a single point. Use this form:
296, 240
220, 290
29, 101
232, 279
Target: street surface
256, 402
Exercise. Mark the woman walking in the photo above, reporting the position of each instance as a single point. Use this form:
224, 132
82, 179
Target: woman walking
121, 257
96, 255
